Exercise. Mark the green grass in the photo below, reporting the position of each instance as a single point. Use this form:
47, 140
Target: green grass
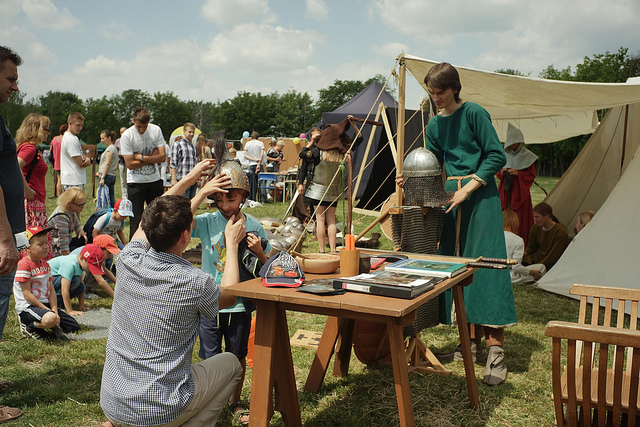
58, 384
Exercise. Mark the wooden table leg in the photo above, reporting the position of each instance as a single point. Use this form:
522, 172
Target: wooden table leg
284, 380
343, 348
272, 366
400, 373
463, 331
323, 355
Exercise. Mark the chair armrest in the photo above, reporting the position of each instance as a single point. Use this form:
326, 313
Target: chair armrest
593, 333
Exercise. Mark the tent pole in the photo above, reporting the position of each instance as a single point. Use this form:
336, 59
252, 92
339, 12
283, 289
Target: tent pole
624, 137
400, 132
366, 153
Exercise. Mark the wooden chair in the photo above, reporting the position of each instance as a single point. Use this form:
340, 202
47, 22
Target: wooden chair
597, 350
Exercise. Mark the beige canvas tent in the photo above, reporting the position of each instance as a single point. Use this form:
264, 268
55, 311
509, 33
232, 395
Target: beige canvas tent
544, 110
604, 177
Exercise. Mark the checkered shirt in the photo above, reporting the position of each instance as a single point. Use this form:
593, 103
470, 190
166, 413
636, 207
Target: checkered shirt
155, 318
183, 157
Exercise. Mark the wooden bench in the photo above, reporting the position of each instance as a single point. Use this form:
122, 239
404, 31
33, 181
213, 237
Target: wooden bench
603, 360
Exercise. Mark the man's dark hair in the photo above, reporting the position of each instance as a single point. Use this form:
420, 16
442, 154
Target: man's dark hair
444, 76
10, 54
164, 220
141, 115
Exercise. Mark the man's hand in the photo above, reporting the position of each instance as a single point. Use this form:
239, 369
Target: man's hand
235, 230
399, 180
201, 168
8, 258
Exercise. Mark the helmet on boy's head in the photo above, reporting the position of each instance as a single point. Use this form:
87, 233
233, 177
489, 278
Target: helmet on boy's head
227, 165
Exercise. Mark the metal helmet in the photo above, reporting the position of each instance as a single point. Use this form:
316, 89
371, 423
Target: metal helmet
423, 184
227, 164
421, 162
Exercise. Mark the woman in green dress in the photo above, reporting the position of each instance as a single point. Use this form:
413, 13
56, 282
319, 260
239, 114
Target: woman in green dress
462, 137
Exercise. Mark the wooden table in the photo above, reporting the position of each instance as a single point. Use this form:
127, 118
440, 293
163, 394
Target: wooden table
272, 360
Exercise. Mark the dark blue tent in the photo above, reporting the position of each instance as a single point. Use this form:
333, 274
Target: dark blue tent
376, 187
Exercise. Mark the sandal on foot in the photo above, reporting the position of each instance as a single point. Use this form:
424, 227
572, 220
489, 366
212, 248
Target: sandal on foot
7, 413
239, 414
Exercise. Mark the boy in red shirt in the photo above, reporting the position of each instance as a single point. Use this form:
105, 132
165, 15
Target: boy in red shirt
35, 297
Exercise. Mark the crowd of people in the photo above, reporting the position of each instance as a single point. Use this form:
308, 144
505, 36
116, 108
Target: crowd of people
148, 377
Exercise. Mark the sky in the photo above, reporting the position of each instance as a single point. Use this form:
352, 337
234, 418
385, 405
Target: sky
210, 50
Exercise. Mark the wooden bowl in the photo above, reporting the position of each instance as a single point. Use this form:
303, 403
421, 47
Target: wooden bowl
319, 263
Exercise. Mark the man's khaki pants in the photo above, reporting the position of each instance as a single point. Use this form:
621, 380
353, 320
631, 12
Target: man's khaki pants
215, 379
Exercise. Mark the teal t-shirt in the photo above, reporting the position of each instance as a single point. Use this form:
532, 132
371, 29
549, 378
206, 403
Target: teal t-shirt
210, 229
66, 266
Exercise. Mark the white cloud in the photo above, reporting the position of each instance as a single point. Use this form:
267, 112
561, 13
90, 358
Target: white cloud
44, 14
391, 50
317, 9
115, 31
507, 34
231, 13
265, 46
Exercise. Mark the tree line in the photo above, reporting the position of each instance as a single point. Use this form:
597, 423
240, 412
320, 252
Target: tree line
274, 114
286, 114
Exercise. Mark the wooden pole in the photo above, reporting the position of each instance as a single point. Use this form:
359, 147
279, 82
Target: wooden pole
366, 153
400, 133
349, 199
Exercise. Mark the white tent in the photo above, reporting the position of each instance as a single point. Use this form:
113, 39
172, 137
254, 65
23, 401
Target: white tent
604, 252
604, 177
544, 110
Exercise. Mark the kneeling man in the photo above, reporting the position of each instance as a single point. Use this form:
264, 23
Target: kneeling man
148, 379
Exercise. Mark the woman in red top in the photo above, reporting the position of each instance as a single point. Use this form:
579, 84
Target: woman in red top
33, 130
56, 144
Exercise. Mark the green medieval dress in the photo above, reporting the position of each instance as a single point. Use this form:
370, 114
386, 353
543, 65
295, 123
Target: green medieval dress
468, 145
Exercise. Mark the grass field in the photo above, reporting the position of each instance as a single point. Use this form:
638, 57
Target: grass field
58, 384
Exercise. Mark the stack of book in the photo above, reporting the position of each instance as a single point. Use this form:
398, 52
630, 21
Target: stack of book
388, 283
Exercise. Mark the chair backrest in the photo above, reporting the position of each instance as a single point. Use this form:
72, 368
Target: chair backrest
580, 388
596, 376
266, 176
604, 315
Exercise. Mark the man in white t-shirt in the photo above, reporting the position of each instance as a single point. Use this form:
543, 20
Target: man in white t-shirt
142, 147
254, 150
72, 160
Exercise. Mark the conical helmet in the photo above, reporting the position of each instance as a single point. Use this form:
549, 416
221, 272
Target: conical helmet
227, 164
423, 184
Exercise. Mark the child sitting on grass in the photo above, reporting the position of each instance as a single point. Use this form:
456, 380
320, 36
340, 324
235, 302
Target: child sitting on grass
35, 296
67, 276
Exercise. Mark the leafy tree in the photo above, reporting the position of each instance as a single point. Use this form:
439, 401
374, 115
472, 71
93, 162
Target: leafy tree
246, 112
512, 72
551, 73
605, 68
201, 114
57, 106
14, 111
295, 114
602, 68
100, 115
168, 112
126, 103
